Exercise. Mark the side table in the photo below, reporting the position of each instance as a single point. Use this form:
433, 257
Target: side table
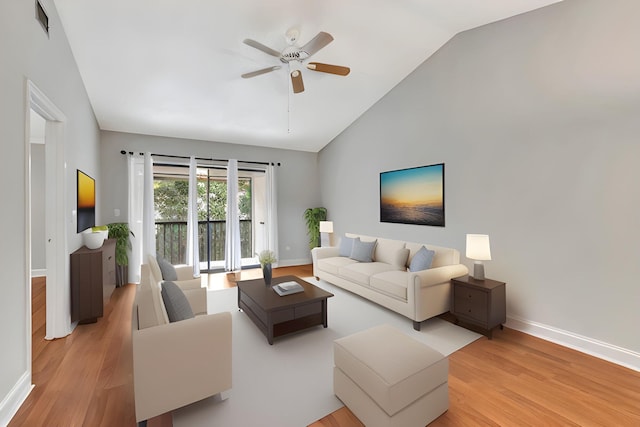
479, 302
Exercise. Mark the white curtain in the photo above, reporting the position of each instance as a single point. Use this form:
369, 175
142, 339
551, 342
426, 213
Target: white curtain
272, 210
232, 254
193, 255
135, 164
148, 215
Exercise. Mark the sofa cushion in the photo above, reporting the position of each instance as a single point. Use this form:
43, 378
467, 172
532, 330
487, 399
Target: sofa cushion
333, 264
346, 246
391, 283
361, 272
362, 251
168, 271
176, 303
387, 251
422, 260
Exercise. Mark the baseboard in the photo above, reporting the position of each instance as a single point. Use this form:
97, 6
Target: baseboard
12, 401
292, 262
41, 272
612, 353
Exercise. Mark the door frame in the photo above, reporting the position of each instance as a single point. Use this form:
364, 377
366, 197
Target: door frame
58, 317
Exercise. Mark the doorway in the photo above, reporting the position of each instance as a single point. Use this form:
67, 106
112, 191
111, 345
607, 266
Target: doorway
54, 237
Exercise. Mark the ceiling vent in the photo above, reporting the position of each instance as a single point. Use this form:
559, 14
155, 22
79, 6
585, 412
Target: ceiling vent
42, 17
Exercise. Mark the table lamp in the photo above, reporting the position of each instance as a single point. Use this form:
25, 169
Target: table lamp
326, 229
478, 249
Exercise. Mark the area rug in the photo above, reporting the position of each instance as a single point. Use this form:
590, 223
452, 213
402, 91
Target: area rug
290, 383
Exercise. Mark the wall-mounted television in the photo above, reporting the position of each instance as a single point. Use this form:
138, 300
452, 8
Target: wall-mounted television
413, 195
86, 201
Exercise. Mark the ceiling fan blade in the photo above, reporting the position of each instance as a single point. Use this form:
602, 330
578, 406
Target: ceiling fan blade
296, 81
317, 43
260, 46
258, 72
329, 68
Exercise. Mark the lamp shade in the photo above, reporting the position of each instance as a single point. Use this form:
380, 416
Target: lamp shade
478, 247
326, 226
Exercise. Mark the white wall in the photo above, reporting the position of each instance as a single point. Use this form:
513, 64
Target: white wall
537, 120
27, 53
297, 179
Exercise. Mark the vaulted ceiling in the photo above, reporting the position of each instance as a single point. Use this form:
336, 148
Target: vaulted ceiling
172, 68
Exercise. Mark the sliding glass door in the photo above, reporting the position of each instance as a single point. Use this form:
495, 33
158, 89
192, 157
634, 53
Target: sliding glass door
171, 201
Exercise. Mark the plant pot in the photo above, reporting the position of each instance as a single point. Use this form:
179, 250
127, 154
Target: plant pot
93, 239
266, 273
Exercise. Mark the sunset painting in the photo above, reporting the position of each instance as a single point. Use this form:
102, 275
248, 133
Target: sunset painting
86, 201
413, 196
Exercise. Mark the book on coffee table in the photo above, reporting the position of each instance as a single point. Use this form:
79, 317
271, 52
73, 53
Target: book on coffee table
288, 288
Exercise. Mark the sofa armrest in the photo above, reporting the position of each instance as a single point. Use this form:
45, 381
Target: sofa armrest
322, 252
184, 272
197, 299
189, 284
180, 363
435, 276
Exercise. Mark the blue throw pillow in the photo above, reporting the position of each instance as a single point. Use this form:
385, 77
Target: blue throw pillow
346, 245
362, 251
422, 260
175, 302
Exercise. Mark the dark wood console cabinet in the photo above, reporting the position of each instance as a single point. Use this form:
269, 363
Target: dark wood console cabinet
93, 278
479, 302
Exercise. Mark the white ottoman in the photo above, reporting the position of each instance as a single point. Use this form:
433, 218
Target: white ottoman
387, 378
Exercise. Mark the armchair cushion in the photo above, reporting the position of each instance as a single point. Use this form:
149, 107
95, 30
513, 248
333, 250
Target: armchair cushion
175, 302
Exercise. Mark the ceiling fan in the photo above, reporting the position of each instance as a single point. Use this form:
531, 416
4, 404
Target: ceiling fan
294, 55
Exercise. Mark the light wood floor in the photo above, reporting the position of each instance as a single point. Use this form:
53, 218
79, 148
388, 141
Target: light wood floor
513, 380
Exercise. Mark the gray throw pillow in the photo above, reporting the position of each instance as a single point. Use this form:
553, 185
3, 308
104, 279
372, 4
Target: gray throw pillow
422, 260
346, 245
175, 302
168, 271
362, 251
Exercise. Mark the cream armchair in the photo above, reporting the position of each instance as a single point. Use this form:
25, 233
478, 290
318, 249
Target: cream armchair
175, 364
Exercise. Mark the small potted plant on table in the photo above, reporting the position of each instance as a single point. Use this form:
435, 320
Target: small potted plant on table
266, 258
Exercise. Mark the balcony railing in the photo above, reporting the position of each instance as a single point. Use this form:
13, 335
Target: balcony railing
171, 240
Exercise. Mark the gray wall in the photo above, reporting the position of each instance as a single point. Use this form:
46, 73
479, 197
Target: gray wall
297, 180
38, 185
27, 53
537, 120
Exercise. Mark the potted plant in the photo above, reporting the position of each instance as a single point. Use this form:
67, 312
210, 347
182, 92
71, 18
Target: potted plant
313, 216
266, 258
120, 231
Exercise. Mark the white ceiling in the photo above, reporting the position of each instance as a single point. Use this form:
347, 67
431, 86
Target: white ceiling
172, 68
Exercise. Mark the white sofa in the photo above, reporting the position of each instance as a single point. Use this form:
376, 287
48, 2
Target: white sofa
181, 362
386, 280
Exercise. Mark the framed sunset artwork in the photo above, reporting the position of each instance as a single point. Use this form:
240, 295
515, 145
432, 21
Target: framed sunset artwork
413, 195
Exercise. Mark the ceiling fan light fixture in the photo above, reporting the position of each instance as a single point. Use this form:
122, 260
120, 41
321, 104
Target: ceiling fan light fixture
292, 35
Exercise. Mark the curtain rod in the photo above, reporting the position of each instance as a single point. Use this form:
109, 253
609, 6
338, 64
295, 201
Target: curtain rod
204, 158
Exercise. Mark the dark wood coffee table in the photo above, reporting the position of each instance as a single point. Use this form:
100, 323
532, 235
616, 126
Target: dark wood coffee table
275, 315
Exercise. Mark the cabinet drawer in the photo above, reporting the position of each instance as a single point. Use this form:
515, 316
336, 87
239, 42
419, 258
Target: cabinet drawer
470, 303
